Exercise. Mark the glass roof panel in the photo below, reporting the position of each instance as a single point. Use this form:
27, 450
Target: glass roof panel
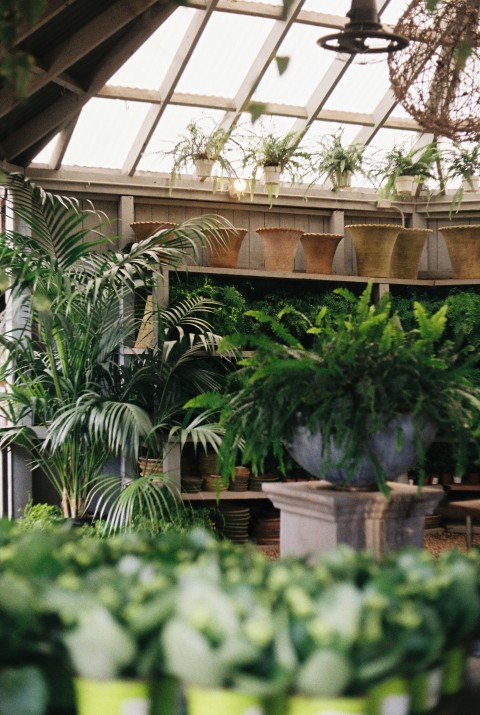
148, 65
361, 88
168, 132
104, 133
227, 48
296, 84
394, 11
45, 156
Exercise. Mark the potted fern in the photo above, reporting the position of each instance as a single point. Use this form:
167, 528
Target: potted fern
336, 161
203, 144
276, 155
358, 405
405, 170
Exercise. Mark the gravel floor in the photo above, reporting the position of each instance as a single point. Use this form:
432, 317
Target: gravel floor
435, 541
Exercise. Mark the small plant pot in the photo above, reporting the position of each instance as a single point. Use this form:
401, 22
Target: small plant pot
457, 479
405, 185
303, 705
210, 701
472, 184
425, 691
272, 175
463, 245
319, 250
225, 255
390, 697
374, 243
112, 697
203, 168
279, 247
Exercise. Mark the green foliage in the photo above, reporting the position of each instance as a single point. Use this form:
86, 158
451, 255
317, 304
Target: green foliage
334, 160
203, 139
229, 304
400, 161
263, 148
16, 65
40, 517
362, 370
71, 404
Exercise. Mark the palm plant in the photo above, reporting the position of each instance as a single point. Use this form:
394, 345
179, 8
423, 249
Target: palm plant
70, 402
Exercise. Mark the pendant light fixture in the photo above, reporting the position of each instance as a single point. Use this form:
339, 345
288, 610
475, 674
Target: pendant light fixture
363, 34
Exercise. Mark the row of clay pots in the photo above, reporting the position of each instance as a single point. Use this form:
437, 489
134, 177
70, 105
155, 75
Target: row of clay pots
382, 250
390, 251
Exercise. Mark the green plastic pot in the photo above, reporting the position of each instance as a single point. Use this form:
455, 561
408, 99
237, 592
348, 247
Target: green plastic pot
390, 697
303, 705
425, 691
112, 697
454, 669
222, 701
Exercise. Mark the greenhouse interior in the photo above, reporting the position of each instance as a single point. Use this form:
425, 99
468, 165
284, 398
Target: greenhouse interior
205, 206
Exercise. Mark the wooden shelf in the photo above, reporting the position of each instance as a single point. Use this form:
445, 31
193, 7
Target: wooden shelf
462, 487
301, 275
223, 496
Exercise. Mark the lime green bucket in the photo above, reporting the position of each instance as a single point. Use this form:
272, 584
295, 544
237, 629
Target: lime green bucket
302, 705
219, 701
454, 669
112, 697
390, 697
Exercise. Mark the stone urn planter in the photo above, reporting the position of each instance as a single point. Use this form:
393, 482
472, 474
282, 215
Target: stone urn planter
374, 243
144, 229
319, 250
395, 456
279, 247
407, 252
463, 245
226, 255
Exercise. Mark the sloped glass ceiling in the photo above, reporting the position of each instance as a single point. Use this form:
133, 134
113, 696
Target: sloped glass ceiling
226, 65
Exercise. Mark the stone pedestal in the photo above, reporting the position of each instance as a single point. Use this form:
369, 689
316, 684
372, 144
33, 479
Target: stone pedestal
314, 516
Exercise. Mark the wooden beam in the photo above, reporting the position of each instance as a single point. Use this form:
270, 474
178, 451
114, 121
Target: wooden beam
78, 45
67, 107
170, 81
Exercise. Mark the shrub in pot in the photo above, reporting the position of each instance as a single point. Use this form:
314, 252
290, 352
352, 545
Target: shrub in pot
363, 373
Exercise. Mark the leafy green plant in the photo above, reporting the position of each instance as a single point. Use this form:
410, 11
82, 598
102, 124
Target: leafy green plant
70, 403
204, 140
400, 161
463, 162
336, 161
362, 371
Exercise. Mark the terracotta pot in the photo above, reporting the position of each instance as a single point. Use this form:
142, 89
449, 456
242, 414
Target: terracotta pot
374, 243
407, 252
279, 247
226, 255
319, 250
463, 245
144, 229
